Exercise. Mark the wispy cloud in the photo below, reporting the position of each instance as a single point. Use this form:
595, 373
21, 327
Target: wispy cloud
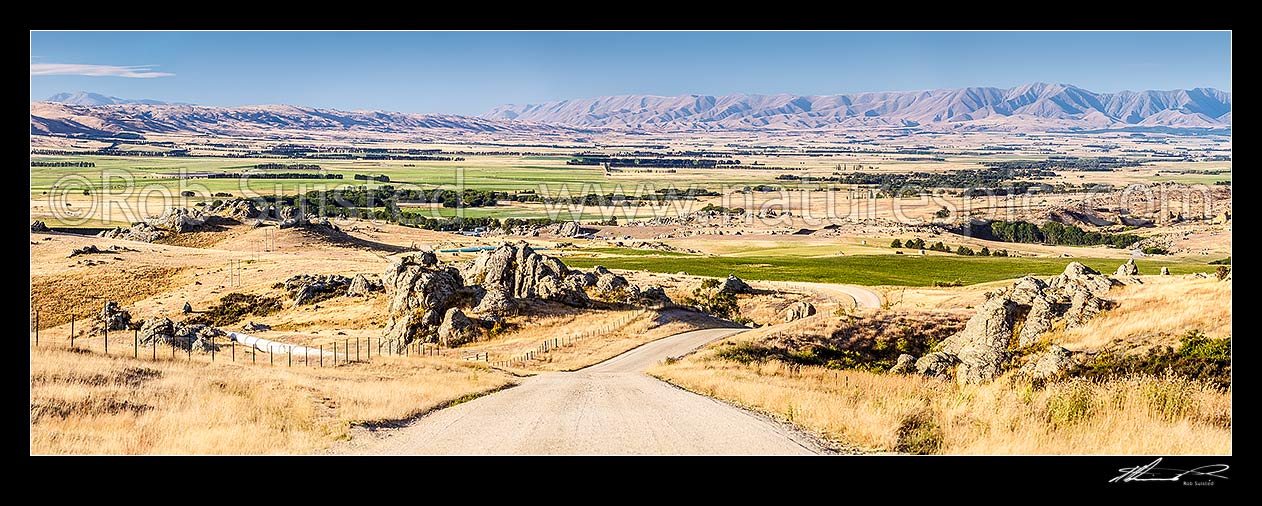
80, 69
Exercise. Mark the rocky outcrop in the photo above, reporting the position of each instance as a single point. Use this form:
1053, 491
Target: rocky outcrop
156, 331
1078, 276
583, 279
363, 286
570, 229
1127, 269
610, 282
456, 328
141, 232
496, 303
90, 249
173, 220
651, 295
179, 219
38, 226
735, 285
1084, 306
937, 363
196, 336
255, 327
520, 271
418, 297
982, 347
798, 311
311, 288
114, 317
496, 283
1051, 363
1016, 317
905, 364
161, 332
240, 209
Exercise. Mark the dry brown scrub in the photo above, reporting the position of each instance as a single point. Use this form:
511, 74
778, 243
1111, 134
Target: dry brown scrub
86, 403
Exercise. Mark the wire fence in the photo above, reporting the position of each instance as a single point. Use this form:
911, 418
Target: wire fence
127, 343
85, 337
548, 345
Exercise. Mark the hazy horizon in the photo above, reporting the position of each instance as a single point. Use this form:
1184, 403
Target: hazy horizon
471, 72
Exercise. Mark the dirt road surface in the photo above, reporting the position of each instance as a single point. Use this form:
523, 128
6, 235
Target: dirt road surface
611, 408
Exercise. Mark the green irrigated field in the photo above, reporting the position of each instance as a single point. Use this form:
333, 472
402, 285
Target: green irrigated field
871, 269
501, 173
482, 173
636, 252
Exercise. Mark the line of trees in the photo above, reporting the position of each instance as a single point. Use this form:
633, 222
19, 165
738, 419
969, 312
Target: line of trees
919, 244
63, 164
291, 166
1057, 234
1098, 164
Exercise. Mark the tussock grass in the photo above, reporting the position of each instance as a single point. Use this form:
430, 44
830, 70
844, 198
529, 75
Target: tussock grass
914, 414
1157, 312
86, 403
1143, 408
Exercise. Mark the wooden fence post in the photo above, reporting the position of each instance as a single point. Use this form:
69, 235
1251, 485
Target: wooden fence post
106, 331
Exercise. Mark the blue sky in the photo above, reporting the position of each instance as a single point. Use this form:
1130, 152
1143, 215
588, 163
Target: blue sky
470, 72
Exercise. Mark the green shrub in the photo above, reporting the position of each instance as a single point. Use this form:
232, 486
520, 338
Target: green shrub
1221, 272
234, 307
1225, 261
984, 252
919, 434
964, 250
1070, 402
896, 244
1155, 250
1197, 358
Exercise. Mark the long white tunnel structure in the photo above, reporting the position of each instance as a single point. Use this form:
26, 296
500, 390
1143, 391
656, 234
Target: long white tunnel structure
267, 346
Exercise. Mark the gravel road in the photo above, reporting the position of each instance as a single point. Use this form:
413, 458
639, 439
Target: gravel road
611, 408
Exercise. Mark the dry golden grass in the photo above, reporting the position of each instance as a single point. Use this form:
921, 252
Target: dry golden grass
60, 297
590, 337
881, 412
87, 403
916, 414
1155, 313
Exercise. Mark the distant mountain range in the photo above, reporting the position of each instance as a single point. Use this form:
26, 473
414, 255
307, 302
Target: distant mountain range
102, 120
1030, 106
89, 98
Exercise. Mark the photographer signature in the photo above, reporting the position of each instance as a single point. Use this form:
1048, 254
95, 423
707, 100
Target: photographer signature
1151, 472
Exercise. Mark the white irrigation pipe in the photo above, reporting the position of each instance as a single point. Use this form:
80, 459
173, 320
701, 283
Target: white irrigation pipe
265, 345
